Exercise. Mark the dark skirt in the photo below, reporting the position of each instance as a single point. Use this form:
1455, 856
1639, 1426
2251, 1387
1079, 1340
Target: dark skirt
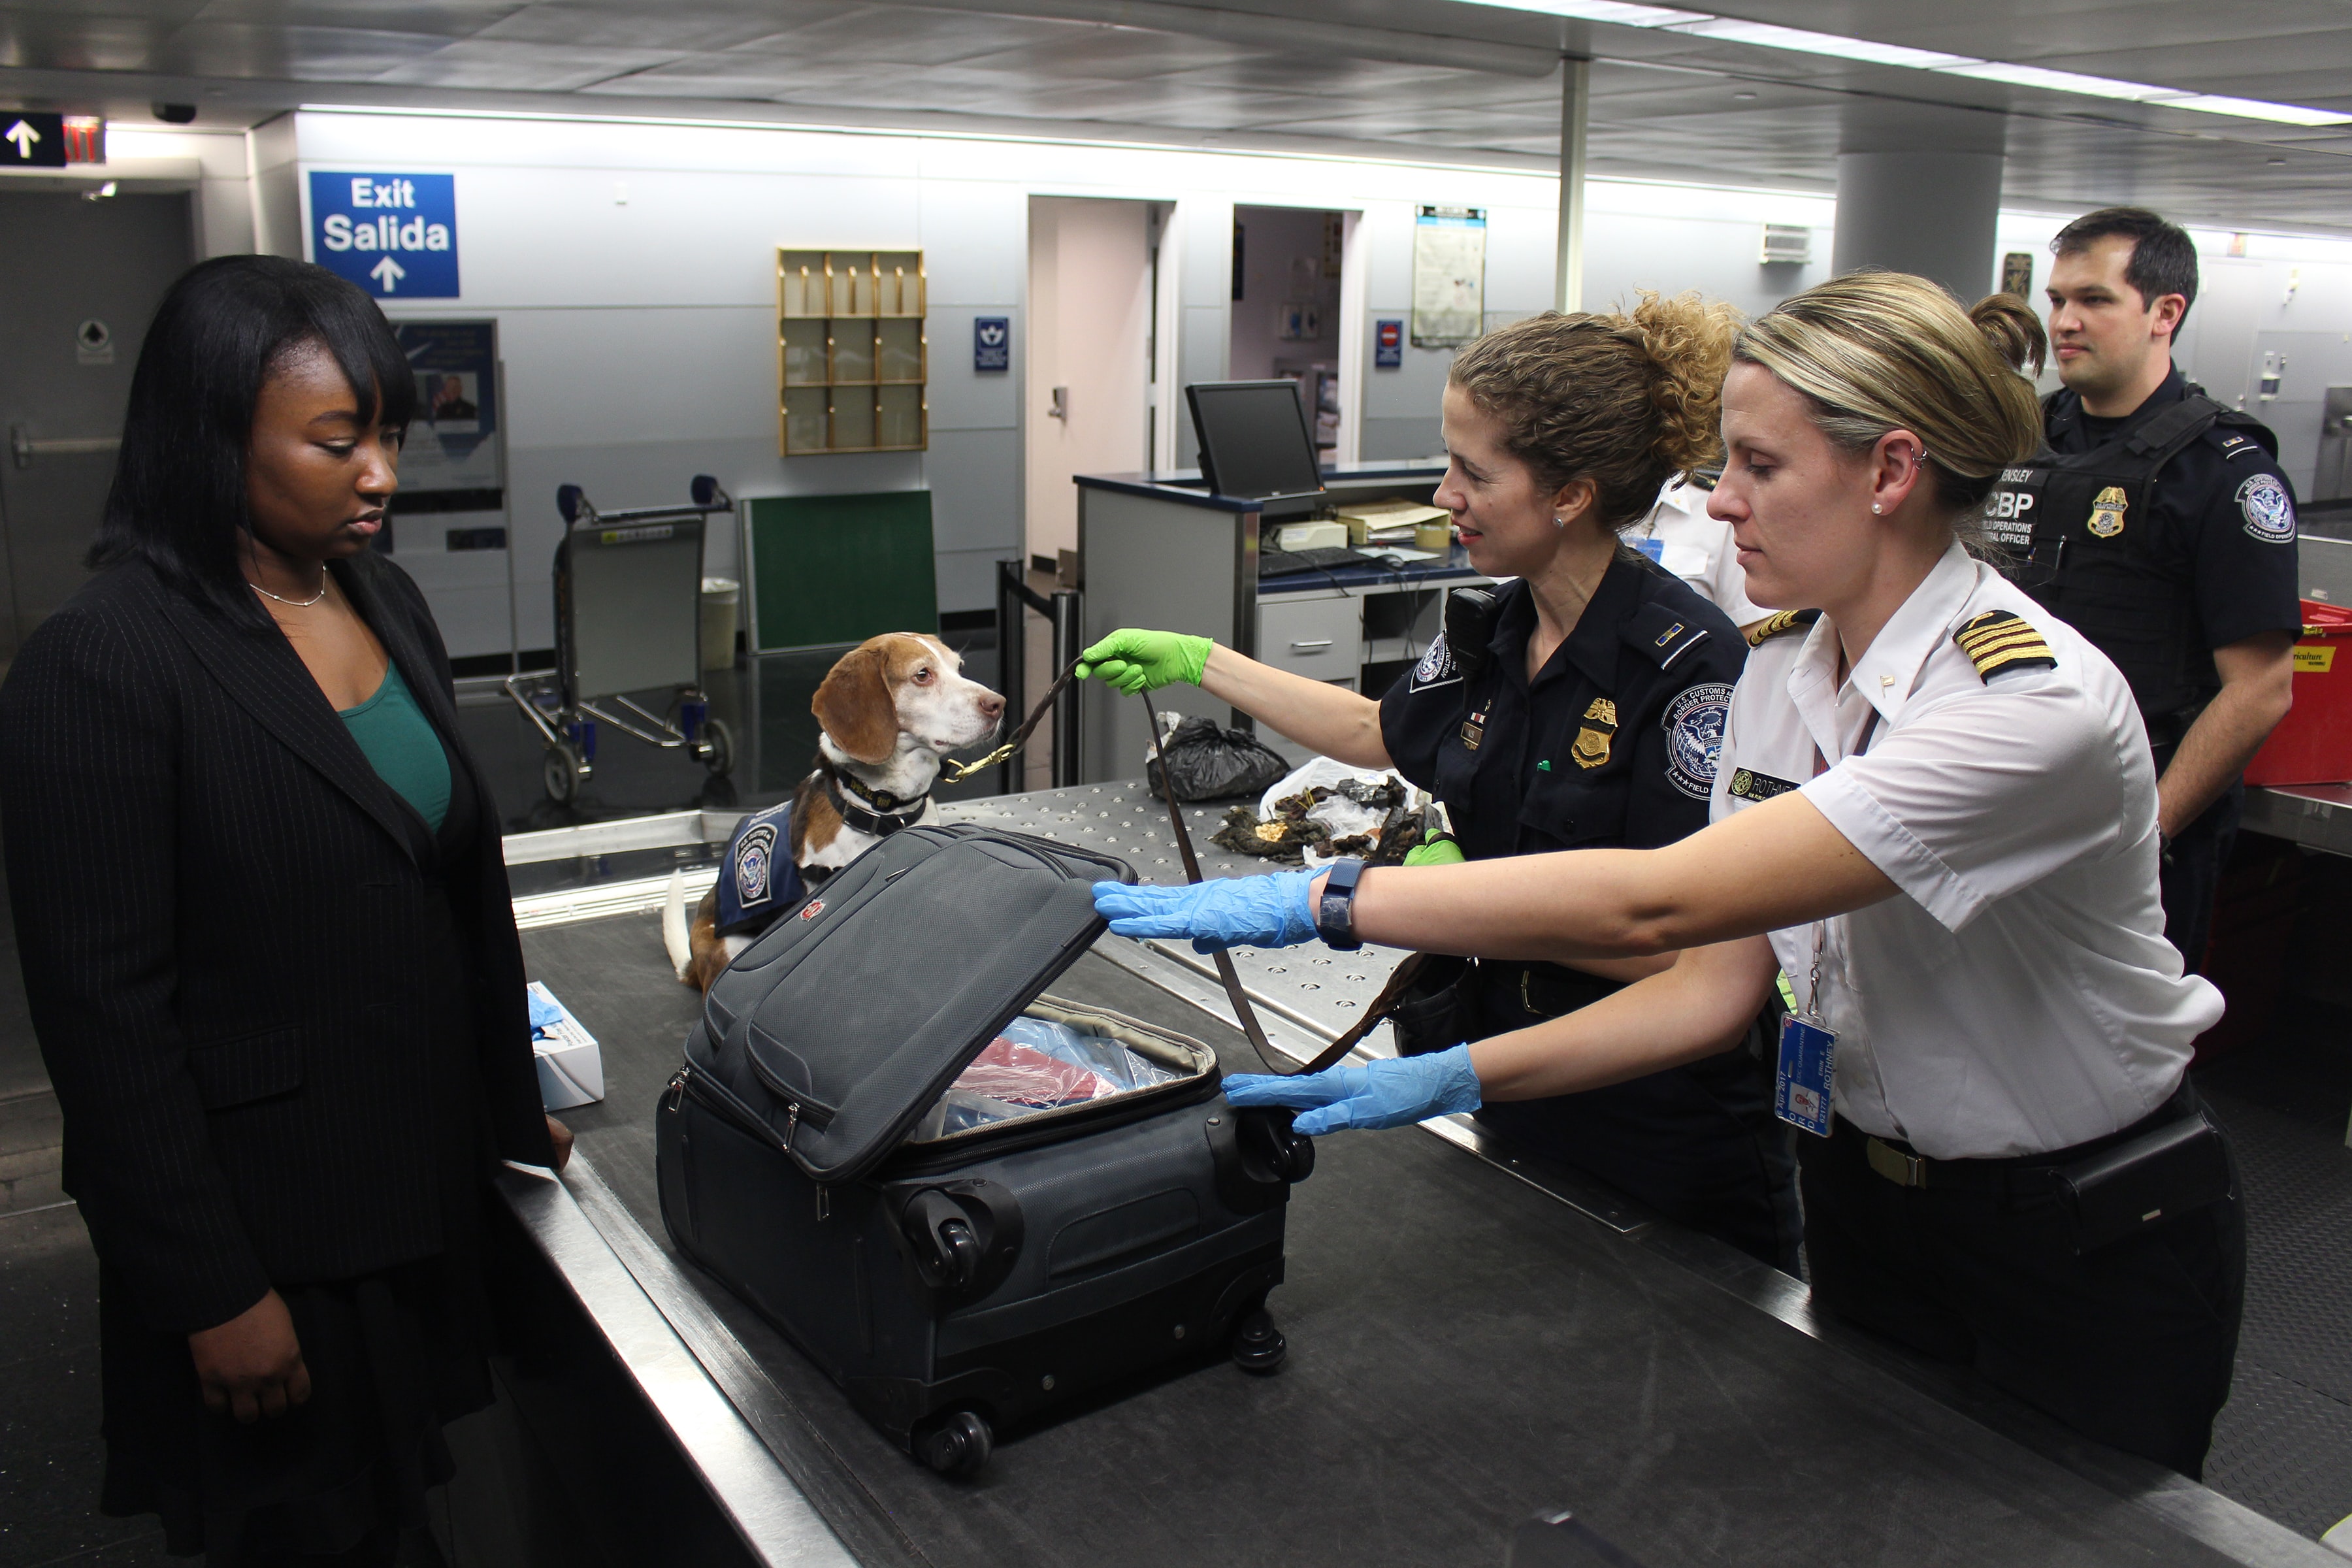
392, 1356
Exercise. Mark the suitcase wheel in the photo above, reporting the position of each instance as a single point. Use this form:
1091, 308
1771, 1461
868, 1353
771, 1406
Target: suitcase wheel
1258, 1346
957, 1444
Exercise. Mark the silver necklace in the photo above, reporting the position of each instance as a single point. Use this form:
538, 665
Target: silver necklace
297, 604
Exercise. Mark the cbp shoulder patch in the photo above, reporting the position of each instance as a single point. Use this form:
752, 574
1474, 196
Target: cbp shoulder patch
1779, 623
1437, 666
1999, 640
1695, 723
2267, 509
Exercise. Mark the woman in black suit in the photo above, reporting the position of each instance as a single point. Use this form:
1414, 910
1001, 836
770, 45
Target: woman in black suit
266, 936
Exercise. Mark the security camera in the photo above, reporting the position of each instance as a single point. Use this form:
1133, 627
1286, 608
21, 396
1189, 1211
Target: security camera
175, 113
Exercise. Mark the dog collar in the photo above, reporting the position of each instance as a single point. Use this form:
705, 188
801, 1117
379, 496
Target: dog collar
878, 811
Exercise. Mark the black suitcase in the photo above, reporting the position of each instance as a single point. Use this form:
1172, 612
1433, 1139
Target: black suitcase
958, 1282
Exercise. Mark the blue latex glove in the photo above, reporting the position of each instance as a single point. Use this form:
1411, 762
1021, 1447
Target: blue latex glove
1390, 1092
544, 1015
1232, 911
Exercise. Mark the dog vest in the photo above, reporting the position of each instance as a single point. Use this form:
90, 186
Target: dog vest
756, 880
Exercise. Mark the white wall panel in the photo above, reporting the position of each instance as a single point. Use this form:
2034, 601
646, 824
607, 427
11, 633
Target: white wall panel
962, 399
971, 474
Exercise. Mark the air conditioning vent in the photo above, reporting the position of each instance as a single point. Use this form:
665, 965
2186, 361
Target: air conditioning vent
1787, 242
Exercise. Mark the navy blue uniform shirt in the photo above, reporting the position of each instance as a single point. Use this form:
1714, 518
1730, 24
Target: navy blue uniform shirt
1614, 742
2224, 515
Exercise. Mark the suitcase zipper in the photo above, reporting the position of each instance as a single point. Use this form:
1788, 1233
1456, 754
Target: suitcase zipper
724, 1105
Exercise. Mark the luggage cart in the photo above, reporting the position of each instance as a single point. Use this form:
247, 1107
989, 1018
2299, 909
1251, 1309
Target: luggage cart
628, 617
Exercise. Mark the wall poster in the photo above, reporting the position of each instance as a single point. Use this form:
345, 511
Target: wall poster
453, 461
1449, 275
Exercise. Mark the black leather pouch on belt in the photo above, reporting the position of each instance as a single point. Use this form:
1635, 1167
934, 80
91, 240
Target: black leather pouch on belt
2163, 1172
1436, 1012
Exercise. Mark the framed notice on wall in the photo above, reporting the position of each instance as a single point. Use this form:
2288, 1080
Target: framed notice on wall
1449, 275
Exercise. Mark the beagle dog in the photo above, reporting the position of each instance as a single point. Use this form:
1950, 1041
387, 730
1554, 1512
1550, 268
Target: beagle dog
886, 713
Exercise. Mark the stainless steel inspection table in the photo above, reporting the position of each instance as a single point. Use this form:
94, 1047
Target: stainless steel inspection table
1471, 1341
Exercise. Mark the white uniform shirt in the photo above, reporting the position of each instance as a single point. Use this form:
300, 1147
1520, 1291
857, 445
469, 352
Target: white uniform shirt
1679, 536
2018, 995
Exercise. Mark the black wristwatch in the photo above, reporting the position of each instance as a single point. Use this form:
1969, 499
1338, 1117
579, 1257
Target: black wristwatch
1335, 911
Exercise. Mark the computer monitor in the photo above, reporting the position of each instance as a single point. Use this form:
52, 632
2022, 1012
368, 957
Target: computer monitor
1255, 443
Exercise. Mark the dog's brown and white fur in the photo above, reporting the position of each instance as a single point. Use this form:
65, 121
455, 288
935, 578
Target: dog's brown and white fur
887, 712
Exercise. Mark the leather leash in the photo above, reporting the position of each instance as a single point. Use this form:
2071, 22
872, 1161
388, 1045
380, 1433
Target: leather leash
1226, 973
956, 772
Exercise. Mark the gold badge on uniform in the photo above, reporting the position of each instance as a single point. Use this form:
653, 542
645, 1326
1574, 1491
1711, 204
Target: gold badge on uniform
1474, 730
1591, 748
2107, 512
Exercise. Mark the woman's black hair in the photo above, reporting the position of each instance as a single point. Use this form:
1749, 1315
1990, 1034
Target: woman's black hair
179, 496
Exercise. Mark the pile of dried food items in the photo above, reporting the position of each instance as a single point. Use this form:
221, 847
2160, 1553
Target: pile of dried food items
1368, 816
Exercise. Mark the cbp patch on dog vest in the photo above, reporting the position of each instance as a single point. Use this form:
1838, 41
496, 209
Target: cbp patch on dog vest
1999, 640
757, 878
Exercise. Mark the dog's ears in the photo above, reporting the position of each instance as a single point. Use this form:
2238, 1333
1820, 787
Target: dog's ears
854, 705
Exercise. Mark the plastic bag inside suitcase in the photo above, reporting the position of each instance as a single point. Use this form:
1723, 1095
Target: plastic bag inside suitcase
955, 1282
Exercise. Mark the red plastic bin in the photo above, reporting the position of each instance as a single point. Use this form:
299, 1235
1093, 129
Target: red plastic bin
2313, 744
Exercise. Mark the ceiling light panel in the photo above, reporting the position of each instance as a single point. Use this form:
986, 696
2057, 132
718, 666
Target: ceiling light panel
1770, 35
1617, 11
1765, 34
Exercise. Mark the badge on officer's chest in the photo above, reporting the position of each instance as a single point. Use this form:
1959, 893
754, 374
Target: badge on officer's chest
1593, 738
1474, 730
2107, 512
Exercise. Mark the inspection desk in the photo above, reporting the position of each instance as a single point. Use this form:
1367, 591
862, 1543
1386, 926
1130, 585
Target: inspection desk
1162, 550
1471, 1341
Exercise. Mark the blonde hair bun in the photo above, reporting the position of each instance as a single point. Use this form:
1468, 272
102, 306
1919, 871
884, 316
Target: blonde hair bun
2015, 332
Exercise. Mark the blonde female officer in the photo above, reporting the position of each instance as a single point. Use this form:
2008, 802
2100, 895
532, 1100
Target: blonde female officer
1935, 812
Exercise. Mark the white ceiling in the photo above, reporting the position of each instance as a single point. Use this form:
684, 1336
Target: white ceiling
1430, 78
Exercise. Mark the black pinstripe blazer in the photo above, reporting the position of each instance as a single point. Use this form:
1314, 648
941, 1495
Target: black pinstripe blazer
220, 908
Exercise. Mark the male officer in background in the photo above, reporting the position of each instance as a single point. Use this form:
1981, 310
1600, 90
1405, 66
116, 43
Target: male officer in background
2158, 521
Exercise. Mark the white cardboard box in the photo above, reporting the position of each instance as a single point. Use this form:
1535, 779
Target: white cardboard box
570, 1066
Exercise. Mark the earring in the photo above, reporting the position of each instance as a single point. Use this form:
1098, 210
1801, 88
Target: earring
1558, 521
1876, 509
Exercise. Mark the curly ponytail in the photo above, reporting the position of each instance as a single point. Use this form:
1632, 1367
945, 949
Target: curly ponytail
1626, 401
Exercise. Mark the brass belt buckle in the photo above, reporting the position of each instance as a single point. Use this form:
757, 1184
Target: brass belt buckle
1903, 1170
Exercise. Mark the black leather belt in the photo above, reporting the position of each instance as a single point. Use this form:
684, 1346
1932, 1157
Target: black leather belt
2017, 1176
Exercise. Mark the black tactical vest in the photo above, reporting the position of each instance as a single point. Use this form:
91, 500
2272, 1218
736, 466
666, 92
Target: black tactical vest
2079, 534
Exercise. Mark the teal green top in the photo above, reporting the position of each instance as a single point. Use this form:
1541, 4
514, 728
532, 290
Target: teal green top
403, 747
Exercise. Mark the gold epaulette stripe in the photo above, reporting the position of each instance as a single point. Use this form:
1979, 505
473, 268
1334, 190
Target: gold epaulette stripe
1999, 639
1780, 621
2002, 642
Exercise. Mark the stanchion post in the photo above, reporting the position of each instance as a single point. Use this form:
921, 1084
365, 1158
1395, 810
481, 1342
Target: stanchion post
1011, 671
1068, 638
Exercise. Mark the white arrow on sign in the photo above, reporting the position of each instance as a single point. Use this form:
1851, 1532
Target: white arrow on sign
24, 136
389, 273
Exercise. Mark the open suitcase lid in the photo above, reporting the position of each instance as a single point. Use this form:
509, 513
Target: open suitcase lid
860, 1008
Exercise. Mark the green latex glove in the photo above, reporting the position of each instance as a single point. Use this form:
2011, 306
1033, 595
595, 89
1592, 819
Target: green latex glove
1130, 660
1436, 852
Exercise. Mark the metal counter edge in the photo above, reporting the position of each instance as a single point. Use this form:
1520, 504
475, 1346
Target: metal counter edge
774, 1519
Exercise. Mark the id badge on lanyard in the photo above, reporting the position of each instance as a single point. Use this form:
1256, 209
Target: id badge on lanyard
1804, 1078
1806, 1073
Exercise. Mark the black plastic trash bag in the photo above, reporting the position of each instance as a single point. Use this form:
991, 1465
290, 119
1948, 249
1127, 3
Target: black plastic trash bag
1210, 763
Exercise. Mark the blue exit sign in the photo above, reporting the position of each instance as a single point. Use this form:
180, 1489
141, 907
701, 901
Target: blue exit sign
395, 236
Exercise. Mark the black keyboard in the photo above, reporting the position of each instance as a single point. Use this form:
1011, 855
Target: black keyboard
1329, 558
